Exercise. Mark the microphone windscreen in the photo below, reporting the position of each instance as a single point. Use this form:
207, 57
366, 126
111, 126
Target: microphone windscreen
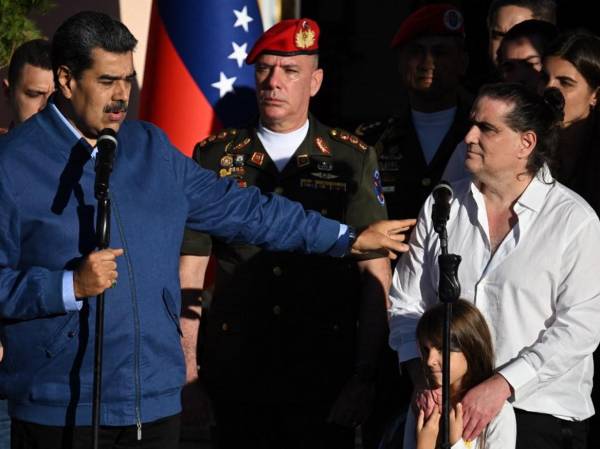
107, 139
443, 192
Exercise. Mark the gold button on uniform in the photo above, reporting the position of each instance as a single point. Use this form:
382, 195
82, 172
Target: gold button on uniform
278, 190
425, 182
323, 211
225, 327
277, 271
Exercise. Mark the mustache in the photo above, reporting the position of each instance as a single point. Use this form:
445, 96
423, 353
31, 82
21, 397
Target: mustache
269, 95
116, 107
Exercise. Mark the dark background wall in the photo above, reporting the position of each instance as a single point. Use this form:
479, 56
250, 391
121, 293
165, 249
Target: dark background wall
360, 69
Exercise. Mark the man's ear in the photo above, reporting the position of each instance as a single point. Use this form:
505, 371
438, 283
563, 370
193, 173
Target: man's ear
594, 100
6, 88
316, 81
65, 78
528, 143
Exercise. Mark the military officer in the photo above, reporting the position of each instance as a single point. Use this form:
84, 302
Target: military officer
290, 345
414, 146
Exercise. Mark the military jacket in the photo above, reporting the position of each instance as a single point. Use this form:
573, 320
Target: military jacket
282, 326
406, 177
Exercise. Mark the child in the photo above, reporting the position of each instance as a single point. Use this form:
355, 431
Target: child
471, 362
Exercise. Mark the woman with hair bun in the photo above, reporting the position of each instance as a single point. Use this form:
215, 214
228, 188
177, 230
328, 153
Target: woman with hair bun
530, 256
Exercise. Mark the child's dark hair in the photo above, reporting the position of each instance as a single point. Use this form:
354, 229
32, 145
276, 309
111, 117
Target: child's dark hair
469, 334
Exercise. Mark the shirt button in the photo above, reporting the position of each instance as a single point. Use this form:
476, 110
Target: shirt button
276, 310
425, 182
323, 211
278, 190
225, 327
277, 271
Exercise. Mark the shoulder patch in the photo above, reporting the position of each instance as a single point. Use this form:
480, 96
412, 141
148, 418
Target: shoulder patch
344, 136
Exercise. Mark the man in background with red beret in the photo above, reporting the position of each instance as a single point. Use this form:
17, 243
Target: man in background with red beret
290, 347
414, 145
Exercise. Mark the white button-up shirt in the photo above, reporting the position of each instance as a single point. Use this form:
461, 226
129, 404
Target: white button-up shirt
539, 292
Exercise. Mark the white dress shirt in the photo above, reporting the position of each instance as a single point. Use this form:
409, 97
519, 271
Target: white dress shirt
500, 433
539, 292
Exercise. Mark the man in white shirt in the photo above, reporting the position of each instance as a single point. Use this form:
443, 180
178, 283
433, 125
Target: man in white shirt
531, 254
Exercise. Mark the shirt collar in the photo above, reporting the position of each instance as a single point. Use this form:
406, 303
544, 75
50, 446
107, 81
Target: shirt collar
67, 123
71, 128
535, 194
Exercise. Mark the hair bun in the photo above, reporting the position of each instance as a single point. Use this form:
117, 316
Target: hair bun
555, 101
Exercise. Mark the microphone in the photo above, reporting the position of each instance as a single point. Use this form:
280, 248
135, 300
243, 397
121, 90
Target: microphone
107, 144
442, 196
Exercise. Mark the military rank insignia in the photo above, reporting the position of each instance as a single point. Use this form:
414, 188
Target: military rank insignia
243, 144
322, 146
302, 160
377, 187
257, 158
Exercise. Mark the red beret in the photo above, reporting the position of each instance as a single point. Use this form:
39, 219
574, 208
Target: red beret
287, 38
441, 19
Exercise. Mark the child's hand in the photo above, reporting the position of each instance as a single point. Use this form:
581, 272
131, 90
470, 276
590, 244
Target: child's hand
427, 431
456, 424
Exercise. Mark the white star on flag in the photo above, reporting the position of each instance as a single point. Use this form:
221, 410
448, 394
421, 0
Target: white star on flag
242, 18
239, 53
224, 84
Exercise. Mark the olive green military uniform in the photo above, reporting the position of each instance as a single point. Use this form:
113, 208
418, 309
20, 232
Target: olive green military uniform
282, 327
406, 176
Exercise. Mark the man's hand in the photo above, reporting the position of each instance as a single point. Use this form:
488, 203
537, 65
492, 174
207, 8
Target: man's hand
354, 404
385, 236
482, 403
427, 399
96, 273
428, 429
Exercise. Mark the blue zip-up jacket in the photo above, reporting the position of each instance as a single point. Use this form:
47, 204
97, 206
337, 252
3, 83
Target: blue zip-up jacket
47, 220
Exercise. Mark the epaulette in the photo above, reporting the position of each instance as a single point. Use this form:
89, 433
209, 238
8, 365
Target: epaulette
367, 129
344, 136
222, 136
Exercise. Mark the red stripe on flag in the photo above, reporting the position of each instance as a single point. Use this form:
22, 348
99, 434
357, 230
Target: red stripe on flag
170, 97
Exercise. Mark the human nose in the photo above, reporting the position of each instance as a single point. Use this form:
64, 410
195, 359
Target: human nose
121, 90
274, 78
433, 358
552, 82
471, 136
427, 59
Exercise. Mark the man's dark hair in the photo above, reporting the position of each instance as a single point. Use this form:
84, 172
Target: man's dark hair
75, 39
35, 53
541, 9
541, 114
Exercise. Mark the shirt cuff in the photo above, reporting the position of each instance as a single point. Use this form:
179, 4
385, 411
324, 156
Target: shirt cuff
68, 293
340, 247
518, 374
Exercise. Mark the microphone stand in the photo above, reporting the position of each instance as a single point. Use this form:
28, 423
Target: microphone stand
448, 292
103, 240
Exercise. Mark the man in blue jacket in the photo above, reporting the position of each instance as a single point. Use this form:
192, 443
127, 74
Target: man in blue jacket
50, 271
